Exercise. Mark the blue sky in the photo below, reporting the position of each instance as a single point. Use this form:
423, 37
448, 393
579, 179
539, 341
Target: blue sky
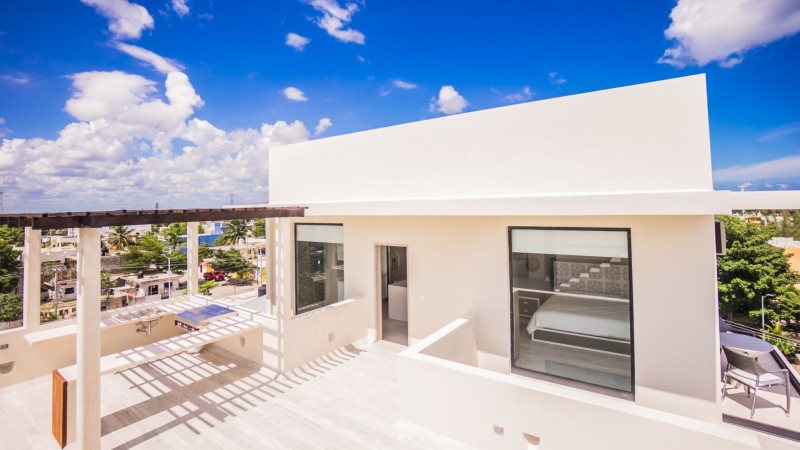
376, 64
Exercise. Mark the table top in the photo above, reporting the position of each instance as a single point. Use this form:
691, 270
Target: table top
743, 342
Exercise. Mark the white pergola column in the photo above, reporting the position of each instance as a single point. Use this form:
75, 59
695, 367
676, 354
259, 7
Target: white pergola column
88, 340
32, 278
192, 256
272, 265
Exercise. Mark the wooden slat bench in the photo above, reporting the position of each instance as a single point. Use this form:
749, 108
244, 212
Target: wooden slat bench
126, 359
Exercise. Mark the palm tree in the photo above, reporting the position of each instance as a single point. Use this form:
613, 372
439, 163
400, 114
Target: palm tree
120, 237
235, 231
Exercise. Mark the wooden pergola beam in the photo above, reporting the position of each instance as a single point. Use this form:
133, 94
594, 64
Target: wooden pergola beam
98, 219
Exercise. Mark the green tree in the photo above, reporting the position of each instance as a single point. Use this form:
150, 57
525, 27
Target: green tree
9, 267
120, 237
235, 231
149, 250
14, 236
752, 268
232, 261
204, 251
260, 228
10, 307
205, 288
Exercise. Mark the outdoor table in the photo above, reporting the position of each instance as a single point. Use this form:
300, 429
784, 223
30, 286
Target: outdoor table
743, 343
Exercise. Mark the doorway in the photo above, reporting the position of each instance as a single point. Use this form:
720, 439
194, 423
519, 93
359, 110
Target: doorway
394, 294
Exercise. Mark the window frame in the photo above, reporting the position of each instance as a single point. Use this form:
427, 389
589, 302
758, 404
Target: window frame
318, 305
559, 379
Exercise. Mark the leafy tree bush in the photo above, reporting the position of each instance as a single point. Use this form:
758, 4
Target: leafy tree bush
752, 268
205, 288
232, 261
10, 307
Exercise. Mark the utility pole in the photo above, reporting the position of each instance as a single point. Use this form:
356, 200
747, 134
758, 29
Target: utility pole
231, 199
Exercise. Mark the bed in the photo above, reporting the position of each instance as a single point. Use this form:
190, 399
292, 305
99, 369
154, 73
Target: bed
589, 323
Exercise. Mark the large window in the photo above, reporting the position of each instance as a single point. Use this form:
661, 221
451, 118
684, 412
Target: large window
571, 306
319, 265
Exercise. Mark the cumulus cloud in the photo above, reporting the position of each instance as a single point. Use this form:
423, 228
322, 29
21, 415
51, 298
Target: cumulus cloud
400, 84
294, 94
785, 168
322, 126
160, 63
125, 20
335, 18
16, 80
555, 78
296, 41
180, 7
121, 151
722, 31
449, 101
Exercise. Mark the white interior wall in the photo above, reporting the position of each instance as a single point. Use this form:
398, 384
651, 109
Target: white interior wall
458, 267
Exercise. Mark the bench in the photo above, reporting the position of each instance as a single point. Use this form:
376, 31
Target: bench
64, 421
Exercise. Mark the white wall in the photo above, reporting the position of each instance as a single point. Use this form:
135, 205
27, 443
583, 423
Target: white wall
458, 267
642, 138
33, 361
467, 403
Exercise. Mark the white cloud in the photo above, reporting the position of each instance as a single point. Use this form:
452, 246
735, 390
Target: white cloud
4, 131
385, 91
160, 63
787, 167
126, 20
335, 18
449, 101
296, 41
555, 78
294, 94
781, 131
723, 31
180, 7
361, 59
522, 95
17, 80
120, 153
400, 84
322, 126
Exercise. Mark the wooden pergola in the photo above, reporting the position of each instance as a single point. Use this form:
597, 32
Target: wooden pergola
88, 223
99, 219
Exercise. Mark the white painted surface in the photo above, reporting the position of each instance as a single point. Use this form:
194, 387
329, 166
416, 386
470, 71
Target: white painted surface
453, 397
650, 137
460, 268
32, 278
192, 257
398, 302
88, 340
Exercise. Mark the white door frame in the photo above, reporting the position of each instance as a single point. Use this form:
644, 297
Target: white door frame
378, 297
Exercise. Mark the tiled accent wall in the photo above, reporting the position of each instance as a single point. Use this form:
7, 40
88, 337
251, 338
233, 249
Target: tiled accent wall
608, 279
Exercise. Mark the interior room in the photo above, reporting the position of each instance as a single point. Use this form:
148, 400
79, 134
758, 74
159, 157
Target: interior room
394, 294
571, 306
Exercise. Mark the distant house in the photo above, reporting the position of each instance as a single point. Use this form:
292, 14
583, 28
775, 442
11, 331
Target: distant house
151, 287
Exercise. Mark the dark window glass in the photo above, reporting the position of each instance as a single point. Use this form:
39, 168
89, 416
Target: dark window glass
571, 305
319, 265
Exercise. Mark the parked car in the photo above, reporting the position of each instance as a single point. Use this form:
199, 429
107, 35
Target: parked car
215, 275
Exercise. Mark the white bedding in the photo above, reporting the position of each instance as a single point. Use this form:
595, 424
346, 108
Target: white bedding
591, 317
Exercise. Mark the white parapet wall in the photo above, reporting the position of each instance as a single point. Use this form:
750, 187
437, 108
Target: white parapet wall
630, 139
442, 389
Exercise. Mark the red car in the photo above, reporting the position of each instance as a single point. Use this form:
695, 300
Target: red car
215, 275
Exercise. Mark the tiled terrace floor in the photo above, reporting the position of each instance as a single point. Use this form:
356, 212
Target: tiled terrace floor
215, 400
